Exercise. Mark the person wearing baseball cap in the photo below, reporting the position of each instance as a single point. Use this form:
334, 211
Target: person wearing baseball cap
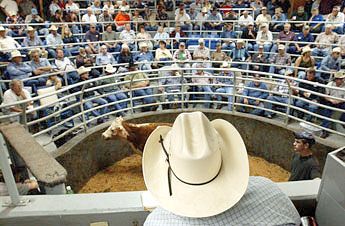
331, 63
304, 165
197, 170
304, 36
282, 59
338, 81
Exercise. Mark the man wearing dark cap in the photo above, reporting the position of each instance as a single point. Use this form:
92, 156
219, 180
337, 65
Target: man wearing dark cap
304, 165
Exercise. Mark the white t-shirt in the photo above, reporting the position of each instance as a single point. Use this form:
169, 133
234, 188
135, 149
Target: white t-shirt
9, 6
10, 98
89, 19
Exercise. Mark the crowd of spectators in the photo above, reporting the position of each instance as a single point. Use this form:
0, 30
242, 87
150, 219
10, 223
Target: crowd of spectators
239, 33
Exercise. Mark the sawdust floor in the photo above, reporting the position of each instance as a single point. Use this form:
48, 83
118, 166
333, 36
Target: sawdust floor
126, 175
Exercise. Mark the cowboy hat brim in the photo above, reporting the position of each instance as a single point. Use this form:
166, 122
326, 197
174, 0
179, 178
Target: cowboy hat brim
202, 200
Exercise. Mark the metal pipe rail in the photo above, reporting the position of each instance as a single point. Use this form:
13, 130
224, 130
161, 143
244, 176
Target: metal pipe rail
154, 79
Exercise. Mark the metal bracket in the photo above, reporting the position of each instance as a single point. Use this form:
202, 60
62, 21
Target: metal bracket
22, 202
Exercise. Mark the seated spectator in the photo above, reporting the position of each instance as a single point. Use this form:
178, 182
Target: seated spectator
284, 36
224, 84
7, 44
301, 103
162, 53
283, 59
336, 19
245, 19
161, 35
197, 5
300, 15
96, 8
69, 39
64, 64
171, 84
202, 53
183, 20
304, 36
151, 19
127, 36
140, 88
200, 18
110, 35
259, 92
144, 35
121, 19
14, 94
182, 56
331, 63
264, 37
192, 14
263, 18
249, 33
53, 7
34, 18
203, 84
180, 8
280, 93
114, 91
92, 36
208, 5
32, 40
257, 6
83, 74
144, 56
315, 21
219, 55
71, 7
177, 36
214, 20
279, 18
89, 17
137, 20
125, 56
105, 16
324, 42
107, 5
104, 58
15, 29
228, 35
41, 66
16, 69
240, 54
86, 60
261, 58
304, 61
338, 82
341, 43
162, 15
54, 40
285, 5
8, 6
58, 17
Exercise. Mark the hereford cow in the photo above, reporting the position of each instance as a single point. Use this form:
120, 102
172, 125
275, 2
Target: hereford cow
135, 134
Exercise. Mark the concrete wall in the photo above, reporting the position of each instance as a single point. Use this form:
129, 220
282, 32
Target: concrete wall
88, 153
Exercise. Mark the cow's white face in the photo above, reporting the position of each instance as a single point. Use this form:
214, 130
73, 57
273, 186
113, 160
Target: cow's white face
116, 130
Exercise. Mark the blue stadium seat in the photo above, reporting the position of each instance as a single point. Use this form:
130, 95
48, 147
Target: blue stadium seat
194, 40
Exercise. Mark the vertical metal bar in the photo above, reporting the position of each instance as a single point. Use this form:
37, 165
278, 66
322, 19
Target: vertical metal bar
131, 94
182, 91
82, 107
234, 93
7, 173
289, 103
25, 118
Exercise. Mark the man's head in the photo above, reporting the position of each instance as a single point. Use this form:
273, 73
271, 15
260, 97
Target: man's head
128, 27
89, 11
315, 11
30, 31
303, 141
103, 50
217, 161
335, 10
16, 86
182, 46
144, 47
229, 26
109, 28
82, 51
35, 55
201, 43
311, 74
177, 29
53, 29
328, 28
264, 10
264, 27
93, 28
162, 44
245, 13
59, 53
257, 80
214, 11
336, 52
16, 57
2, 31
83, 73
300, 10
287, 27
278, 11
240, 43
339, 77
281, 49
306, 29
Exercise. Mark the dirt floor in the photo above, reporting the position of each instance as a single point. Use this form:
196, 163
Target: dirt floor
126, 175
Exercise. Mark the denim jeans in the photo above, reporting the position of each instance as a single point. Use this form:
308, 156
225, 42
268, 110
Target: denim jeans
99, 101
227, 90
307, 106
328, 113
278, 99
252, 102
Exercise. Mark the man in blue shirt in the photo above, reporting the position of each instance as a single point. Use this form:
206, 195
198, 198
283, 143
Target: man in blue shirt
19, 70
104, 58
316, 17
240, 54
224, 84
259, 92
215, 20
229, 33
144, 56
304, 36
331, 63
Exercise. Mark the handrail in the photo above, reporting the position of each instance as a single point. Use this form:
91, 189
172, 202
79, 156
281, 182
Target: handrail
154, 79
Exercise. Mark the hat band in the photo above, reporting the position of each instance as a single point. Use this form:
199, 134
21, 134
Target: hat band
170, 170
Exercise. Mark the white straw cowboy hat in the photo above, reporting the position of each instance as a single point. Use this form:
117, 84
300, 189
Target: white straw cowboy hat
110, 69
339, 74
196, 168
16, 53
83, 70
306, 49
53, 28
